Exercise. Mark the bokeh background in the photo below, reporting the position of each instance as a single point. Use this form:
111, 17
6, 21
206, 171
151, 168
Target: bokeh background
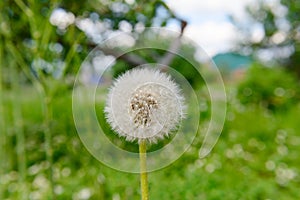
255, 45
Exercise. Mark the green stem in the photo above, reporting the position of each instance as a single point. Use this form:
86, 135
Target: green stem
48, 141
2, 129
143, 170
18, 124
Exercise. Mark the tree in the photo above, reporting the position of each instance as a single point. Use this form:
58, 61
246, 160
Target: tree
279, 37
45, 45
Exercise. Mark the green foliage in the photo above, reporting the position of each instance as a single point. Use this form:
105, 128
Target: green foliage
183, 62
279, 21
255, 158
48, 51
273, 88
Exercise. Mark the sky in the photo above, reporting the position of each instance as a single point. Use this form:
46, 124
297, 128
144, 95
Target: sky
208, 21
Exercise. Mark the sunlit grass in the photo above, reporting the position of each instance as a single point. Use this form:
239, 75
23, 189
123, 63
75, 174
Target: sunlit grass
256, 157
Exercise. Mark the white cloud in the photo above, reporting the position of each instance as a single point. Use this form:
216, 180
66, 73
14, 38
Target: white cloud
208, 21
212, 37
212, 6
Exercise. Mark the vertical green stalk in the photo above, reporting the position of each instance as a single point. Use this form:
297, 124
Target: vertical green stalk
42, 86
2, 129
18, 126
41, 37
143, 170
48, 140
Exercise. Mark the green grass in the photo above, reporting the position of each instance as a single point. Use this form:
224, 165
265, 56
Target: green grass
256, 157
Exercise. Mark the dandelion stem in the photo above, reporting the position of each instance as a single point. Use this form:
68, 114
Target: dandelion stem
143, 170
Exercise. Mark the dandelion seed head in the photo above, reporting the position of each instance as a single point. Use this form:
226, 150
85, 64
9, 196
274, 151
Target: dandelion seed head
141, 106
144, 104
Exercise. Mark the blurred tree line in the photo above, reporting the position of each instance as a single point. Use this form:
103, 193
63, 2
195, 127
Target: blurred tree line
280, 37
48, 46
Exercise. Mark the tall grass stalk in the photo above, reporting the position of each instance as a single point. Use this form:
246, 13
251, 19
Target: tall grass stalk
2, 128
19, 131
47, 112
44, 83
48, 118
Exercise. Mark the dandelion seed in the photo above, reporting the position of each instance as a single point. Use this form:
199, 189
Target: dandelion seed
144, 104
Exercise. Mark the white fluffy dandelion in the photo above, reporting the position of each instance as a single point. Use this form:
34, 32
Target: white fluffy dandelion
144, 104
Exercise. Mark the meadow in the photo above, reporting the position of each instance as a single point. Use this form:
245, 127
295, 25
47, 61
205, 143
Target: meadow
256, 156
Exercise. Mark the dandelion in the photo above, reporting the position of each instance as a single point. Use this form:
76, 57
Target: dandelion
144, 105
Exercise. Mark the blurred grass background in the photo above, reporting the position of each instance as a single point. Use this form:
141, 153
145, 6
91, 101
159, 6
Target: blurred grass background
42, 157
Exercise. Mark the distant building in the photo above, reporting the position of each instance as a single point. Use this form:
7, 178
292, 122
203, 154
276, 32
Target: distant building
232, 65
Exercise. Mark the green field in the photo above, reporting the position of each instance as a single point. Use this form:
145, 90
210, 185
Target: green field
256, 157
